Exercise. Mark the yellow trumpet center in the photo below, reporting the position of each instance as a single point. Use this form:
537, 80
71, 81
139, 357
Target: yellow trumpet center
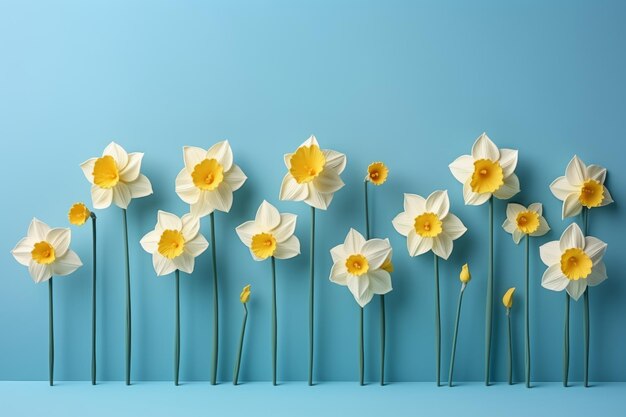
43, 253
387, 265
105, 172
263, 245
575, 264
208, 174
78, 214
487, 176
591, 194
527, 221
307, 163
357, 265
377, 173
428, 225
171, 244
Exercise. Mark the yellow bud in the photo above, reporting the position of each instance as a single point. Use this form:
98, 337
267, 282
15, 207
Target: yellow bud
245, 294
465, 275
507, 299
78, 214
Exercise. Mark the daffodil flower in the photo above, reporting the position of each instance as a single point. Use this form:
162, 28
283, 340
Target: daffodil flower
115, 177
487, 171
521, 221
78, 214
377, 173
581, 186
209, 178
313, 174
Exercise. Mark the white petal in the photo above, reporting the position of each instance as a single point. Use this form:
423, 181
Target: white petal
286, 228
414, 204
512, 210
66, 264
453, 226
150, 241
191, 226
38, 230
553, 279
317, 199
60, 239
328, 182
380, 281
186, 189
597, 173
508, 161
87, 168
339, 273
287, 160
484, 148
287, 249
403, 223
537, 208
22, 251
365, 298
354, 243
168, 221
118, 153
185, 262
192, 156
39, 272
595, 248
508, 189
438, 203
550, 253
197, 245
131, 171
246, 230
221, 198
339, 254
418, 245
203, 206
312, 140
141, 187
572, 237
543, 227
162, 265
291, 190
598, 274
358, 285
607, 197
462, 168
561, 188
101, 197
235, 177
517, 236
376, 251
267, 216
576, 288
121, 195
442, 246
222, 153
473, 199
335, 161
576, 171
571, 206
509, 226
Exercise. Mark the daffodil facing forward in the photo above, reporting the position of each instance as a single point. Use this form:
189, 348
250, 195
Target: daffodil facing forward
377, 173
581, 186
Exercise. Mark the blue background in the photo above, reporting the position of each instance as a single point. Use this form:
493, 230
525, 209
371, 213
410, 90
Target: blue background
409, 83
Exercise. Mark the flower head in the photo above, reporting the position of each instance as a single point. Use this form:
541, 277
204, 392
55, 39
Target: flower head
358, 264
574, 262
270, 234
581, 186
244, 297
507, 299
487, 171
428, 224
174, 243
465, 275
209, 178
521, 221
78, 214
46, 252
377, 173
115, 177
313, 174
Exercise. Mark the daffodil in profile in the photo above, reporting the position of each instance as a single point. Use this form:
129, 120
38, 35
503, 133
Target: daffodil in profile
115, 177
209, 178
78, 214
581, 186
521, 221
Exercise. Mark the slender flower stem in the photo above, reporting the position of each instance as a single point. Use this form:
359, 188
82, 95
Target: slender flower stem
566, 342
508, 319
177, 331
437, 322
456, 331
128, 310
215, 305
367, 214
239, 350
383, 332
361, 351
274, 324
50, 333
586, 322
527, 314
93, 301
489, 301
311, 295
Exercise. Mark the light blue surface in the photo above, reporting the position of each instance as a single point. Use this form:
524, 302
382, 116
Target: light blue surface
409, 83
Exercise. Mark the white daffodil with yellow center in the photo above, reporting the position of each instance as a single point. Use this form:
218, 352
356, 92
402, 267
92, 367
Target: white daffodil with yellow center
174, 243
46, 252
428, 224
270, 234
313, 175
115, 177
574, 262
487, 172
581, 186
363, 266
521, 221
209, 178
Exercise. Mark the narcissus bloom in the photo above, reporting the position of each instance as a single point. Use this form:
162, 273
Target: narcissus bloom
521, 221
465, 275
46, 252
581, 186
78, 214
209, 178
507, 299
358, 264
244, 297
313, 175
270, 234
487, 171
377, 173
428, 224
174, 243
115, 177
574, 262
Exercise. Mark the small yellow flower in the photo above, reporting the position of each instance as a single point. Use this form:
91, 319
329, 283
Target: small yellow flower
377, 173
245, 294
465, 275
507, 299
78, 214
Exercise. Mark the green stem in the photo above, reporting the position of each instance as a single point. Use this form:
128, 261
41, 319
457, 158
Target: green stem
586, 309
527, 314
456, 331
508, 319
50, 333
367, 214
93, 301
489, 301
177, 331
566, 342
274, 324
311, 295
128, 311
243, 332
215, 304
383, 332
437, 322
361, 352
